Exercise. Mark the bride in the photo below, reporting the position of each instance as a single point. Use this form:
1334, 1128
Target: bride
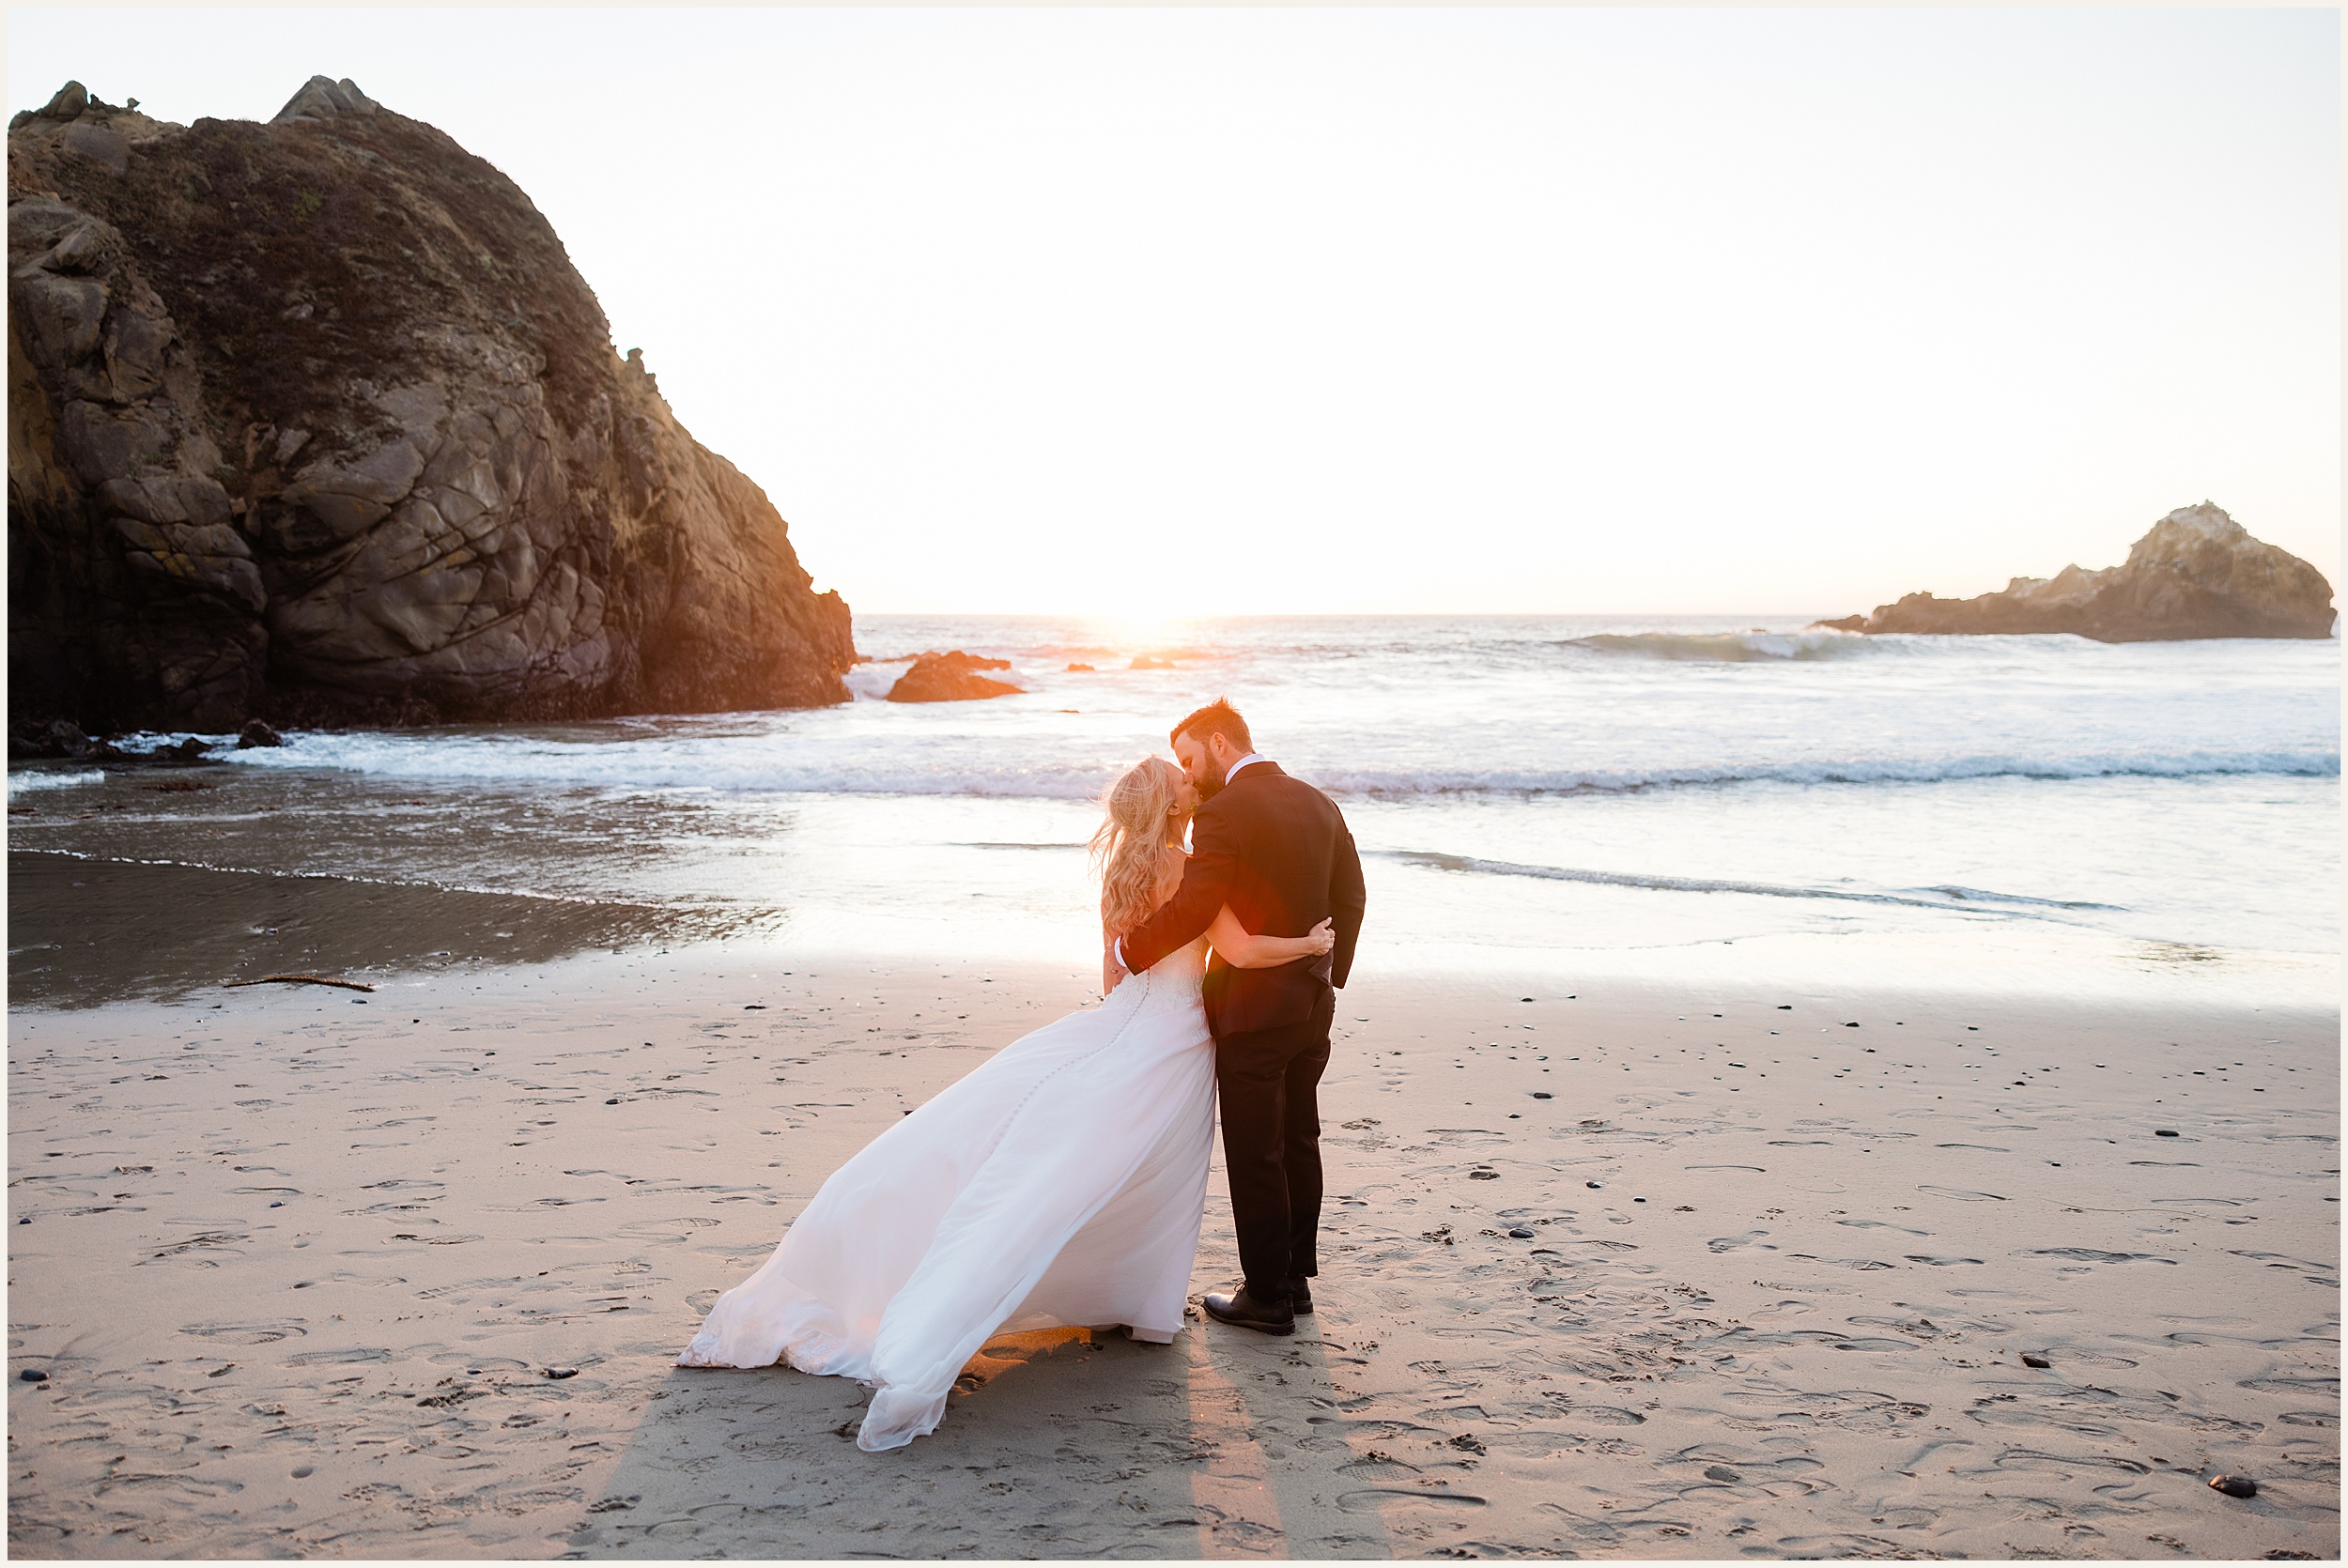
1060, 1184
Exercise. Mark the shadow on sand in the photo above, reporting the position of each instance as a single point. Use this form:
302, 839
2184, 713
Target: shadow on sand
1061, 1444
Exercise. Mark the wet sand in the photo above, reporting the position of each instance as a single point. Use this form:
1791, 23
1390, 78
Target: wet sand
299, 1261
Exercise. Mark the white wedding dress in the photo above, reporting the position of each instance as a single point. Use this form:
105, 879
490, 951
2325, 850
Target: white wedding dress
1058, 1185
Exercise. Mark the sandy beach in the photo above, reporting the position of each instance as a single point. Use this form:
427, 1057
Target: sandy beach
1613, 1271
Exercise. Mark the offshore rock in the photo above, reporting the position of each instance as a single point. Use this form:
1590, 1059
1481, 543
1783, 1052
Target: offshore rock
315, 420
2198, 573
950, 678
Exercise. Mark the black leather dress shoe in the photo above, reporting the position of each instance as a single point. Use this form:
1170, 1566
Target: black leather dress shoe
1244, 1310
1300, 1296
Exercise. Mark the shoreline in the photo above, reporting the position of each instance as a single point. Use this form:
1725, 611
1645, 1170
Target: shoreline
1850, 1237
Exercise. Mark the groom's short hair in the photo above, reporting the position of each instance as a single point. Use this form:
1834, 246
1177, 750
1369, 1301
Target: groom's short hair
1217, 717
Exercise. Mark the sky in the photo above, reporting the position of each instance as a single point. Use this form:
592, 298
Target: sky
1173, 312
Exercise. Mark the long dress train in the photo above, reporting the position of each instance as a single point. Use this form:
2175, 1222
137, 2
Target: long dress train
1060, 1183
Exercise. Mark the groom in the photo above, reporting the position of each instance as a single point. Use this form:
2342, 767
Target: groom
1276, 851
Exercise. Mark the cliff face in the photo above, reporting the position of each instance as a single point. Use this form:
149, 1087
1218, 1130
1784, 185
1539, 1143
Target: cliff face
315, 421
2197, 574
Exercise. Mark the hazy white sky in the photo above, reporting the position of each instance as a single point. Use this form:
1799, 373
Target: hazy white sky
1234, 311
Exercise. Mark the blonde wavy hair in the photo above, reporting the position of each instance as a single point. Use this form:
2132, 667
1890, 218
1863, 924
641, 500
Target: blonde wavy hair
1130, 846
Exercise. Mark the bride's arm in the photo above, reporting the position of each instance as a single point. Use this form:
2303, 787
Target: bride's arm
1242, 951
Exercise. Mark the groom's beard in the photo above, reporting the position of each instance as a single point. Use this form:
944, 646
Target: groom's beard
1209, 783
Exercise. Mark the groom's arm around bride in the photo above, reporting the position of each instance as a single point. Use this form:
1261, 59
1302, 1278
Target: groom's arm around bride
1278, 852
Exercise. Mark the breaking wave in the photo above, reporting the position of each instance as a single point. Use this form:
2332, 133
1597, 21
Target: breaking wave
802, 765
23, 782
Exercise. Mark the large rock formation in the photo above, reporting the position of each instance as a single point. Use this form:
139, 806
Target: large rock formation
315, 419
2197, 574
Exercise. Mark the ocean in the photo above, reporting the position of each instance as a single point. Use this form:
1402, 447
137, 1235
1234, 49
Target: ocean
1666, 798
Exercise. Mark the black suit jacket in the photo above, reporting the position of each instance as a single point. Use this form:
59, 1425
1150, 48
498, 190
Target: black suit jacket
1277, 851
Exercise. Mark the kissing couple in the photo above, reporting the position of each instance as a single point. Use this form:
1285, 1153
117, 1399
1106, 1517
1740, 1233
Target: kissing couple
1060, 1184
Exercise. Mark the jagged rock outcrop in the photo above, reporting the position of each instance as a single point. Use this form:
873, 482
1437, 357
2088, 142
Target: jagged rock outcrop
950, 678
2198, 573
315, 421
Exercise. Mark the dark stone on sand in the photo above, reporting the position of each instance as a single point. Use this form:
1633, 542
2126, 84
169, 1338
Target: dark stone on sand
950, 678
558, 1373
34, 1374
1521, 1233
2167, 1132
1721, 1472
257, 733
1594, 1185
2036, 1361
2198, 573
2234, 1485
315, 419
1483, 1176
1544, 1094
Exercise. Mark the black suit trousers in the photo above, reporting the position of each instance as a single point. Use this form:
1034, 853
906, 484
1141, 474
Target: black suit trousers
1268, 1083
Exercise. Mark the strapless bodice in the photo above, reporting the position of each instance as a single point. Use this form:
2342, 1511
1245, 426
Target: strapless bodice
1173, 981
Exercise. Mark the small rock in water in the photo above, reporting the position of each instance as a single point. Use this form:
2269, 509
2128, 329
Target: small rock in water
34, 1374
1523, 1233
950, 678
257, 733
2036, 1361
2234, 1485
559, 1372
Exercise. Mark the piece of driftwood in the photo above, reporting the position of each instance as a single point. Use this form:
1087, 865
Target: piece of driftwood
300, 981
